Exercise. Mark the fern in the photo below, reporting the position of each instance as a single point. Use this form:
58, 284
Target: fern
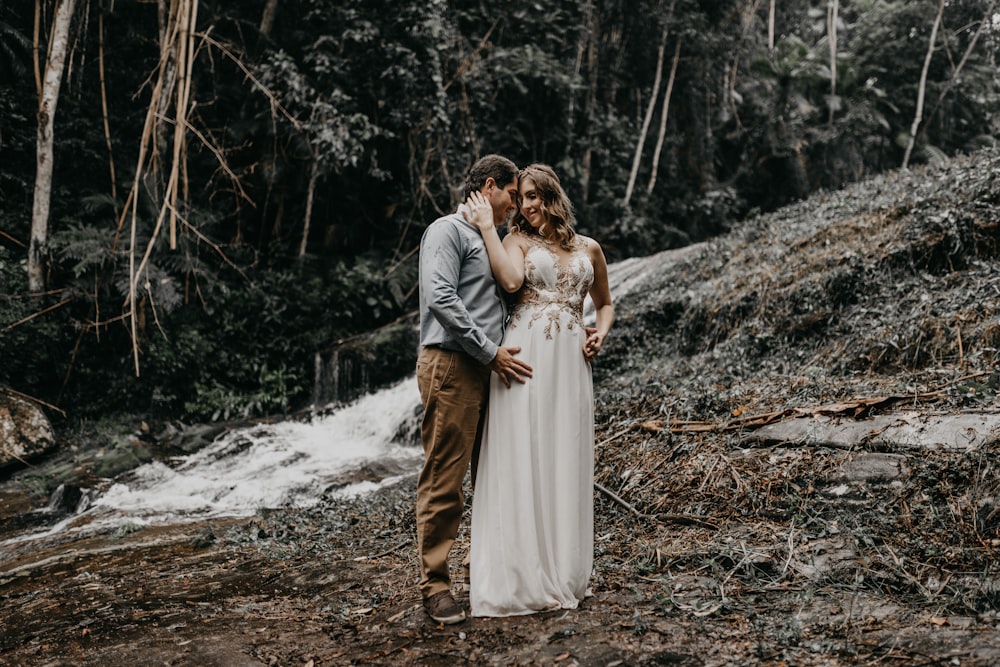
89, 248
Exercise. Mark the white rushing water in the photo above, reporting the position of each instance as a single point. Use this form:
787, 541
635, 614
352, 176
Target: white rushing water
288, 464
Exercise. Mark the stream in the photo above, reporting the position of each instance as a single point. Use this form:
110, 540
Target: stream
281, 465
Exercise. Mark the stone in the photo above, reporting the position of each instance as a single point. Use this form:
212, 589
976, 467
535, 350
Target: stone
911, 431
25, 431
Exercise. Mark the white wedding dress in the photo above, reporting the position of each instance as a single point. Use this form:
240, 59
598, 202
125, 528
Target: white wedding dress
533, 507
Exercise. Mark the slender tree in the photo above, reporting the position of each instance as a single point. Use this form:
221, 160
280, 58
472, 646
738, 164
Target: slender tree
267, 18
956, 71
48, 99
663, 118
770, 27
922, 88
833, 9
590, 101
654, 95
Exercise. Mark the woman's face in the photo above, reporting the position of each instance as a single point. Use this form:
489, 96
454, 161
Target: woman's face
531, 204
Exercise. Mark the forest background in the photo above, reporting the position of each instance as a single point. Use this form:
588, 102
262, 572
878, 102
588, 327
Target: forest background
199, 197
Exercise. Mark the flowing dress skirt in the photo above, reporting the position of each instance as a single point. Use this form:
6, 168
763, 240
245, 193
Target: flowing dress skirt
533, 507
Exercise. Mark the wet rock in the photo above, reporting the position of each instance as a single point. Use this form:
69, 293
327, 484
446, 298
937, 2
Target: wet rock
121, 457
65, 499
185, 439
373, 471
25, 431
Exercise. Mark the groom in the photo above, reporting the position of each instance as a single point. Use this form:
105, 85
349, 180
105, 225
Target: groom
461, 327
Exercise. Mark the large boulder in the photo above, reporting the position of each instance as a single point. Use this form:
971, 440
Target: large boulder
25, 431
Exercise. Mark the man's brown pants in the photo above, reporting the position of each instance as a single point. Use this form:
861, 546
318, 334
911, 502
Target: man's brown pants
453, 389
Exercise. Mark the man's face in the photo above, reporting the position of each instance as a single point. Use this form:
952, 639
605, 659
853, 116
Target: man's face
503, 199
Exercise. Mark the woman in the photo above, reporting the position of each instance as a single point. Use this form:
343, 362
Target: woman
533, 510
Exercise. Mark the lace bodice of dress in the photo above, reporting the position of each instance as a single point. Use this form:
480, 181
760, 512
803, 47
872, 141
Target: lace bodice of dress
553, 291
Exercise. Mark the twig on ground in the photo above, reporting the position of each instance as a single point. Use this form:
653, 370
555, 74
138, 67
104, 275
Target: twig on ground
387, 551
675, 518
615, 497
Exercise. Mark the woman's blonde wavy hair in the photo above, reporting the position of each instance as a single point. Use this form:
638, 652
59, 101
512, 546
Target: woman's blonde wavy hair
556, 206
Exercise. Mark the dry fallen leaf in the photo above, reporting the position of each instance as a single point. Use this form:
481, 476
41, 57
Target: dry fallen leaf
396, 617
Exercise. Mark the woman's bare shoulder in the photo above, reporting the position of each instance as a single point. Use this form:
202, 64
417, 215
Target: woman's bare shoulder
518, 237
588, 244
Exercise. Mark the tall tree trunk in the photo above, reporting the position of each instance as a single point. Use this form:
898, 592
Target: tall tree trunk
48, 99
663, 117
831, 32
104, 105
922, 89
267, 19
586, 162
728, 109
310, 195
581, 50
770, 28
654, 95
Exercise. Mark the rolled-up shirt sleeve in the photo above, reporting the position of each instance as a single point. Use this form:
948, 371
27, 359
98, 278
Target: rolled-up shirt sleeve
441, 261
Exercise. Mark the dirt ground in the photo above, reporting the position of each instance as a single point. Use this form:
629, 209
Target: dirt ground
335, 585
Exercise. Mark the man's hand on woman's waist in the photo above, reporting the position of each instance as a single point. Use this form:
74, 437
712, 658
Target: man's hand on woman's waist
509, 367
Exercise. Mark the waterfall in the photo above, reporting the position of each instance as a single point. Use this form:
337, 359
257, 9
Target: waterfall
287, 464
352, 450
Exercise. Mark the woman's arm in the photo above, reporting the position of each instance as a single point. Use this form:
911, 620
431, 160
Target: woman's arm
507, 257
600, 293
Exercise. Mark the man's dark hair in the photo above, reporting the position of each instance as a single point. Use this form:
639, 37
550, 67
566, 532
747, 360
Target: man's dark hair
497, 167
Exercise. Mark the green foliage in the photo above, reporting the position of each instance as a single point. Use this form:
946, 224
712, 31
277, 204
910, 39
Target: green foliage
252, 350
371, 111
274, 393
33, 346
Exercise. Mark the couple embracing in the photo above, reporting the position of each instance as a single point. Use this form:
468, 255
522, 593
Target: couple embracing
509, 390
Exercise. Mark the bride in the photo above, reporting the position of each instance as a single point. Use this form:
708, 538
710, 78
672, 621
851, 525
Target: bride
533, 509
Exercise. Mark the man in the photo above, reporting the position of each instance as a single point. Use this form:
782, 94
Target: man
461, 327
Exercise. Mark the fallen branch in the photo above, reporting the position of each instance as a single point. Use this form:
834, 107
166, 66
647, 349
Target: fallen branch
617, 435
618, 499
14, 392
10, 238
852, 408
43, 311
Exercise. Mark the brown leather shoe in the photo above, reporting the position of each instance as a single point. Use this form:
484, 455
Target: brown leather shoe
442, 608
